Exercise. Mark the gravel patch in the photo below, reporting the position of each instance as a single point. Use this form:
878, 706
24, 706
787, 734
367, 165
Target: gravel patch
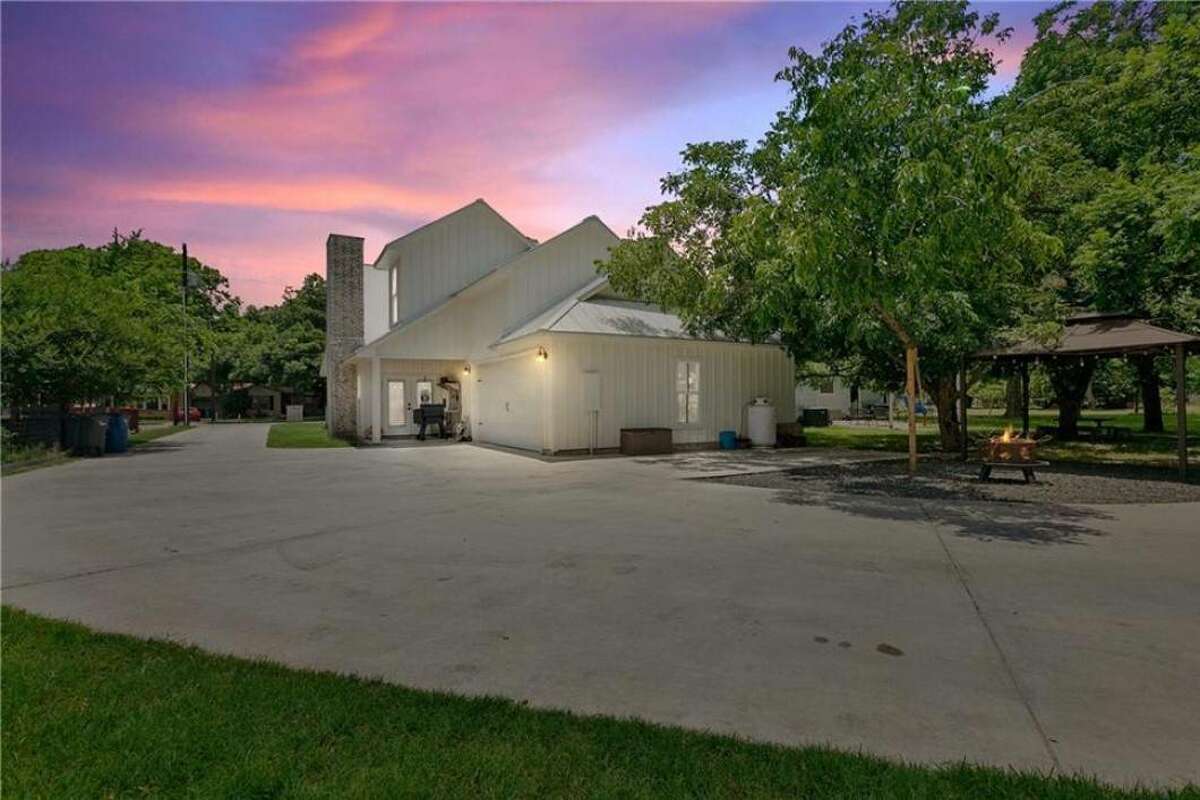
1099, 484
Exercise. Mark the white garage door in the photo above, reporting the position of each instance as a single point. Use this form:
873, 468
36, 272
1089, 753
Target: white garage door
509, 396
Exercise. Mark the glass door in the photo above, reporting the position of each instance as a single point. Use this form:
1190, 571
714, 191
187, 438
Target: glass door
397, 416
424, 393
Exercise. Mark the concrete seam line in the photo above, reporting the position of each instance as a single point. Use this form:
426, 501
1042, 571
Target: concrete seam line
960, 574
245, 547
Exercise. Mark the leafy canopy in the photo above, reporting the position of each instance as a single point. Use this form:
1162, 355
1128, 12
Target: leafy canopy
85, 324
881, 204
1105, 109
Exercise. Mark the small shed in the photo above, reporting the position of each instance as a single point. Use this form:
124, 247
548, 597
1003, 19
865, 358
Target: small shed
1104, 335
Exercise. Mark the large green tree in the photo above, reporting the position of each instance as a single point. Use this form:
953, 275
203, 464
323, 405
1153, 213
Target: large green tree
1104, 109
283, 345
878, 212
87, 324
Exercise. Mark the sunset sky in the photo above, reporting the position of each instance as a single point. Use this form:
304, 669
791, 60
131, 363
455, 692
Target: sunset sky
252, 131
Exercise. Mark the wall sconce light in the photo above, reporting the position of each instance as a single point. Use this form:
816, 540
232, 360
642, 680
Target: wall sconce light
466, 369
542, 355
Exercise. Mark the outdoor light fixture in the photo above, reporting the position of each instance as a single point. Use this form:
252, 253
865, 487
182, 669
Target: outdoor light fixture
542, 355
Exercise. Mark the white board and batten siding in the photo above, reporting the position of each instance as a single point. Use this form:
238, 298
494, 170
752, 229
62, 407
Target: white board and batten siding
375, 303
637, 378
441, 258
480, 315
510, 403
550, 272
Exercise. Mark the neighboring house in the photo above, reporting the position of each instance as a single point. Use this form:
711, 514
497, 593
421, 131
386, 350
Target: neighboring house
260, 400
840, 398
525, 342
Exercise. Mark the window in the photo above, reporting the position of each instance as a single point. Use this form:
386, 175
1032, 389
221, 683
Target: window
687, 391
424, 392
394, 293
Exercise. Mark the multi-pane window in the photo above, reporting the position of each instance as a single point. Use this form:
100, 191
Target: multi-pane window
687, 391
396, 408
394, 293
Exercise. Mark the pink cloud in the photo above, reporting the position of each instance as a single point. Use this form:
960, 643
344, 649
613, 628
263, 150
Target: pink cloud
349, 37
370, 119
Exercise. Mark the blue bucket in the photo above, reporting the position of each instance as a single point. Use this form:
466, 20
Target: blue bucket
728, 440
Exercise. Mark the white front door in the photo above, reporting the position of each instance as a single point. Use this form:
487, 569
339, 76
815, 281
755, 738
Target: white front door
396, 407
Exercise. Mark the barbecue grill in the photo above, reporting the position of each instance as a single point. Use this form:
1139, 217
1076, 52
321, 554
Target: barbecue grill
430, 414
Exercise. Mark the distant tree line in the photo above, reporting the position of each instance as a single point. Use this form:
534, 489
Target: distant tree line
108, 324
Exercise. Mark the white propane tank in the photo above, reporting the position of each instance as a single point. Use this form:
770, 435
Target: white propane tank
762, 422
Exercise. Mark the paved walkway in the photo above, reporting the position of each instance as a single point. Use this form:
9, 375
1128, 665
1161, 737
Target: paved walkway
1056, 639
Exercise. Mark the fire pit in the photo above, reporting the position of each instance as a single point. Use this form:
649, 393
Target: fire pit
1009, 448
1007, 451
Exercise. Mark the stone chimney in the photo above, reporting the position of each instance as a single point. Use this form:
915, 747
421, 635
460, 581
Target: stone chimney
343, 331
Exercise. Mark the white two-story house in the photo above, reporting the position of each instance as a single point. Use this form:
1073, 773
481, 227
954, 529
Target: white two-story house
525, 342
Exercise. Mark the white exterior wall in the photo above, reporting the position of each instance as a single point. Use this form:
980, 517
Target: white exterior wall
443, 257
375, 300
510, 398
463, 329
471, 322
637, 386
562, 265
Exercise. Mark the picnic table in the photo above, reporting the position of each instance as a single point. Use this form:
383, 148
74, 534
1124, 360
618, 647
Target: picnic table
1103, 428
1093, 428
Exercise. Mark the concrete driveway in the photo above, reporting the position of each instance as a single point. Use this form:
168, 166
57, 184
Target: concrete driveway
1048, 638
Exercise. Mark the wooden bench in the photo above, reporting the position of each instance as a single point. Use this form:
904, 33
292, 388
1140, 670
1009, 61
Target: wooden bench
1026, 467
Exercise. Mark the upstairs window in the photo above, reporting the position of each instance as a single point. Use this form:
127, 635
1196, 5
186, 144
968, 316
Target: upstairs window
687, 392
394, 293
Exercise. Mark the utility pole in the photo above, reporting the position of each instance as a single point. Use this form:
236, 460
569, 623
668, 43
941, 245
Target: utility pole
187, 420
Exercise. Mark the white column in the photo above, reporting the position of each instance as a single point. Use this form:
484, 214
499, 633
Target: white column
376, 396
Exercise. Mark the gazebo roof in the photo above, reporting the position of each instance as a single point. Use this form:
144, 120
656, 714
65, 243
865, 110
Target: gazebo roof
1098, 335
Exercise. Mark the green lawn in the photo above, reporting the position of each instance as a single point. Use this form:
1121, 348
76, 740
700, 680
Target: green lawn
97, 715
150, 433
15, 459
1140, 448
302, 434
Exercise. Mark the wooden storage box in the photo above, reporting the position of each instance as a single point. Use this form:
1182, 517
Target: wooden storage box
646, 441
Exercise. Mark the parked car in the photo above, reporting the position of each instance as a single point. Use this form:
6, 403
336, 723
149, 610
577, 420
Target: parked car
193, 414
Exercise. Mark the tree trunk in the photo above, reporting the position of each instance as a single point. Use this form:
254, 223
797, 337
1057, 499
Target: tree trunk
910, 367
910, 362
1012, 396
1148, 387
945, 394
1070, 379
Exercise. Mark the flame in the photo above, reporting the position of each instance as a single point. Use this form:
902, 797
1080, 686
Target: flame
1007, 436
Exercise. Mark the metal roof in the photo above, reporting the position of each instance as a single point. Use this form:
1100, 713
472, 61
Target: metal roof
607, 315
1098, 335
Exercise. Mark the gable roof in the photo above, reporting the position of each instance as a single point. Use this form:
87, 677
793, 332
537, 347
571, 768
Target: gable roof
478, 202
510, 264
489, 277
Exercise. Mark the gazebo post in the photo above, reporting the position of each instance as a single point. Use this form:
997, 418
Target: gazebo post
1181, 407
1024, 399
